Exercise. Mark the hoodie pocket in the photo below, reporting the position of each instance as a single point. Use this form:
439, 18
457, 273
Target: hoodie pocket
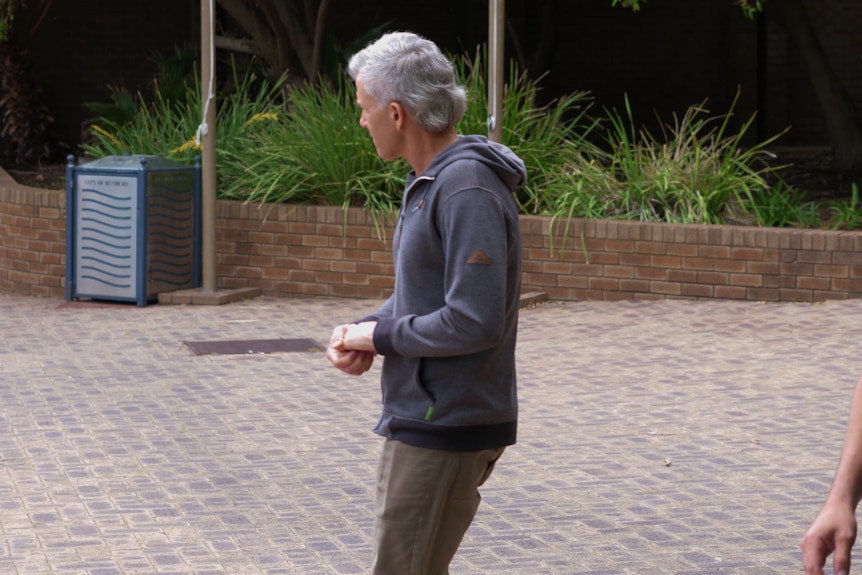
420, 382
404, 393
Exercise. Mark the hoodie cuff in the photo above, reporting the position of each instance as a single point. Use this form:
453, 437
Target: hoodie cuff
383, 336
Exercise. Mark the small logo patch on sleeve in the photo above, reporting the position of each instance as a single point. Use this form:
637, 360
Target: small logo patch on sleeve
479, 257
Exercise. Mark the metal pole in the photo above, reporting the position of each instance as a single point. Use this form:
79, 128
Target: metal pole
496, 42
208, 154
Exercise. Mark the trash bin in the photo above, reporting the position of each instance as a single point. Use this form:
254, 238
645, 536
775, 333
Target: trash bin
132, 228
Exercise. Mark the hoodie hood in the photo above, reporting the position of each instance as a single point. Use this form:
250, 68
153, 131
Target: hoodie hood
503, 161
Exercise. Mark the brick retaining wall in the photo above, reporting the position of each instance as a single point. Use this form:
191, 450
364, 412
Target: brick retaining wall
32, 240
290, 250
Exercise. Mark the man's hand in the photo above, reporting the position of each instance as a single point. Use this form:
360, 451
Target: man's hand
359, 336
350, 361
834, 529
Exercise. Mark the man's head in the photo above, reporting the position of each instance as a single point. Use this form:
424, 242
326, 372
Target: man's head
405, 68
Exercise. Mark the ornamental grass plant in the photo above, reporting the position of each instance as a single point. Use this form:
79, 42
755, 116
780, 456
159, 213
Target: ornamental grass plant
545, 136
694, 172
303, 144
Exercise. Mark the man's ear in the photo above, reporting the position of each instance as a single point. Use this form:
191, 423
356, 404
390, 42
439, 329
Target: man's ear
398, 115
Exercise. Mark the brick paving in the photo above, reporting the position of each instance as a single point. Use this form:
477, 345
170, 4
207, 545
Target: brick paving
656, 437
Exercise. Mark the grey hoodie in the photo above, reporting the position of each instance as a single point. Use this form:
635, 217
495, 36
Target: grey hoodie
448, 331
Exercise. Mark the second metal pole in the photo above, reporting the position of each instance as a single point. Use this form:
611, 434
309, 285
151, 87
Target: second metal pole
496, 43
208, 154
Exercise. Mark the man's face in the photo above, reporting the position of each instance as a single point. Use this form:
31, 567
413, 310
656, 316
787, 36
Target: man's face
380, 121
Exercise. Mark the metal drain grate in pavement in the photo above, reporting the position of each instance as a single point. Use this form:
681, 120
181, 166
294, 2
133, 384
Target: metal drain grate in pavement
253, 346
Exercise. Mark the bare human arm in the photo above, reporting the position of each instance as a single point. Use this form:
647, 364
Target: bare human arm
834, 528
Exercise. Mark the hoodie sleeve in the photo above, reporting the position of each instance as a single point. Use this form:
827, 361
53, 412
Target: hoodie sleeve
475, 233
382, 312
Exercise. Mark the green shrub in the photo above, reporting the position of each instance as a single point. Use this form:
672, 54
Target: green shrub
168, 128
691, 174
781, 207
847, 215
543, 136
314, 150
304, 145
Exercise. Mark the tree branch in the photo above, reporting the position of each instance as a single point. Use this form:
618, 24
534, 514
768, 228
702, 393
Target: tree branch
302, 45
243, 45
253, 25
244, 15
282, 38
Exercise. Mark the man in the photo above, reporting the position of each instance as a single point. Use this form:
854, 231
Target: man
834, 528
448, 331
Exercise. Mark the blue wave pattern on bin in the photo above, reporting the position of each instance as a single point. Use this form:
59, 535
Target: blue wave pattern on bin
106, 238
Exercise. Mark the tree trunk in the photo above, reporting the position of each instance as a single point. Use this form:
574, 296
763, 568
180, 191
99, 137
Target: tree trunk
261, 42
842, 119
283, 43
290, 16
279, 33
319, 33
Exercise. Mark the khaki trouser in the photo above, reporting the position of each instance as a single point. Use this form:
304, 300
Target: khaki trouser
426, 500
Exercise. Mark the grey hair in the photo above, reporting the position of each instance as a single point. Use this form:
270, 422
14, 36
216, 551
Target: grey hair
406, 68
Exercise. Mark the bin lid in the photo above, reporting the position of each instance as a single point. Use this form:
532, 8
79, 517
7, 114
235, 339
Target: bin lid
133, 162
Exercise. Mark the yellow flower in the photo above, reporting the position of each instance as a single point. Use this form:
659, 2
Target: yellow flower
261, 117
188, 146
100, 130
